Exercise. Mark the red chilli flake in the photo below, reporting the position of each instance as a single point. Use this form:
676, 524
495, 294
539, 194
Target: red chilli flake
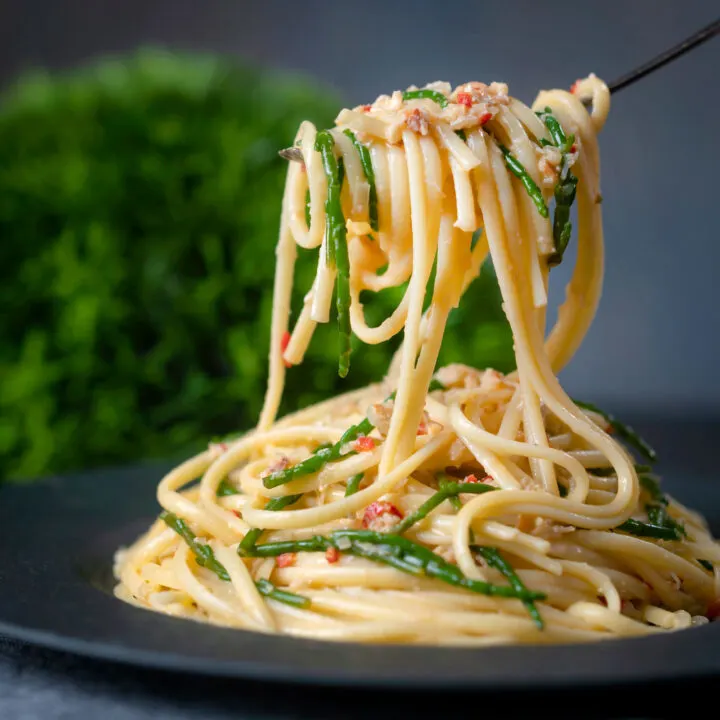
574, 87
470, 479
332, 554
713, 611
463, 98
366, 108
285, 560
422, 428
364, 444
485, 118
573, 148
378, 509
283, 347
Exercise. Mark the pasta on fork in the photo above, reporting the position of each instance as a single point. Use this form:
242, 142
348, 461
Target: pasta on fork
448, 505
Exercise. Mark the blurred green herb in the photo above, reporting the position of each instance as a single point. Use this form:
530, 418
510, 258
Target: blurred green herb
139, 209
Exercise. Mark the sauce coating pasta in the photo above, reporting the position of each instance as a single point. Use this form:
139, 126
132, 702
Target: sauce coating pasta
442, 506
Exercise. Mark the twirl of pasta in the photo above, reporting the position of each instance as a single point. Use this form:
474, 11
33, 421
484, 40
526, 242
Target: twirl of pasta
442, 506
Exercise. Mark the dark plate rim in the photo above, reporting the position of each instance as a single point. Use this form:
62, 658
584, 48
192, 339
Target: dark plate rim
56, 603
339, 676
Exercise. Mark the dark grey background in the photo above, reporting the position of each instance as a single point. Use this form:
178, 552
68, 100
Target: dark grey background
654, 345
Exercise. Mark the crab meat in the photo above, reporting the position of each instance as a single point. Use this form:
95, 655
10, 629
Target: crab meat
381, 516
478, 90
491, 380
459, 376
548, 529
380, 415
277, 466
499, 92
417, 121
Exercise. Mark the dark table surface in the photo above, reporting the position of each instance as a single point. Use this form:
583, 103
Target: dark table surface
39, 683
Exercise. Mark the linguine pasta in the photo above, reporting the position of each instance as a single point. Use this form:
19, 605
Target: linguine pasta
442, 506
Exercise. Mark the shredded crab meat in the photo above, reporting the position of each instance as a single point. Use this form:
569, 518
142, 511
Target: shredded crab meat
458, 375
462, 117
424, 425
477, 90
491, 380
549, 529
417, 121
550, 159
381, 516
548, 171
439, 86
469, 106
277, 466
380, 415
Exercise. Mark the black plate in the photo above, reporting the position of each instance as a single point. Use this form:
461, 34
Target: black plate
58, 537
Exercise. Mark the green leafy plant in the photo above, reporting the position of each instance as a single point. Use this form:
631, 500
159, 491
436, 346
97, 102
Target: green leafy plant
139, 208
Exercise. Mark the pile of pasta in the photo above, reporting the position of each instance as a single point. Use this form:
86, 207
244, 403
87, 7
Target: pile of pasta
438, 506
